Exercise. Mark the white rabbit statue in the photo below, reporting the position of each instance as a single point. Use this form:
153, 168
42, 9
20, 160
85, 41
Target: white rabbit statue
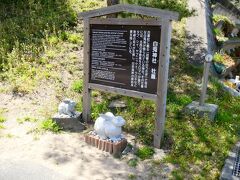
109, 126
67, 107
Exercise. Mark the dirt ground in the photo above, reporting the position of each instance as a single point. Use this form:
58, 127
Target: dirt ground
66, 153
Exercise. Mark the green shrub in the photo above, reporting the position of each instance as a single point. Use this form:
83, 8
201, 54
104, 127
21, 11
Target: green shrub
25, 24
218, 18
218, 32
75, 38
179, 6
132, 176
145, 152
2, 119
1, 126
77, 86
49, 125
26, 119
133, 162
218, 58
227, 26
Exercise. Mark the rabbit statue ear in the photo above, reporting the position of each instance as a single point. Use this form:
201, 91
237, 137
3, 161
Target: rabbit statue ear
118, 121
109, 114
104, 116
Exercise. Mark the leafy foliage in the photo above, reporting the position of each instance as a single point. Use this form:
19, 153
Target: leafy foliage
77, 86
26, 119
49, 125
145, 152
26, 24
227, 26
133, 162
179, 6
35, 33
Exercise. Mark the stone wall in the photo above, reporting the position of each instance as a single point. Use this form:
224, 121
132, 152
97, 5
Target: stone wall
200, 37
227, 10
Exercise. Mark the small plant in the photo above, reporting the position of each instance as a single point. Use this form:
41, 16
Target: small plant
133, 162
218, 58
218, 18
227, 26
224, 59
49, 125
145, 152
26, 119
1, 126
179, 6
53, 40
75, 38
9, 135
218, 32
77, 86
132, 176
2, 119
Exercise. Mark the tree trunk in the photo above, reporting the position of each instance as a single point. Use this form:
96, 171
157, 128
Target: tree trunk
110, 3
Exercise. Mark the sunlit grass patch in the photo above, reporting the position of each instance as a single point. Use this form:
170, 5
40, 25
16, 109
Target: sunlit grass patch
49, 125
26, 119
145, 152
77, 86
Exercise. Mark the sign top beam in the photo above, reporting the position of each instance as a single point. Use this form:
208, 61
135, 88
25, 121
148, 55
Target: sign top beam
147, 11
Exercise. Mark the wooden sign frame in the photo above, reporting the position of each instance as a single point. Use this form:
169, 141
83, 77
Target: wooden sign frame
164, 19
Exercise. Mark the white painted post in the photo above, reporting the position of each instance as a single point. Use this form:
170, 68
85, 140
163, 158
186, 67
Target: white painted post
207, 64
86, 91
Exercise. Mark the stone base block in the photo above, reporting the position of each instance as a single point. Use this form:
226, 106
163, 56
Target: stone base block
207, 110
114, 148
70, 123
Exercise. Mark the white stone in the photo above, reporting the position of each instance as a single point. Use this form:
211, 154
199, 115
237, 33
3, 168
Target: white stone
159, 154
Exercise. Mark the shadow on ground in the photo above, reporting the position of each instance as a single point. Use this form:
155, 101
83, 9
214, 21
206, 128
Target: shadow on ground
194, 49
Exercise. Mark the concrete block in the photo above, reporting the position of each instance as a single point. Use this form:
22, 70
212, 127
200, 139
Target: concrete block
70, 123
207, 110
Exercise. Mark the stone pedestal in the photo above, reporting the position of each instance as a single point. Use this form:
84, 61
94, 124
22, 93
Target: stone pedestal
207, 110
70, 123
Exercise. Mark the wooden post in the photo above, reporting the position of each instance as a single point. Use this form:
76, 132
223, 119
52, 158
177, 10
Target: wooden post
207, 63
162, 81
86, 91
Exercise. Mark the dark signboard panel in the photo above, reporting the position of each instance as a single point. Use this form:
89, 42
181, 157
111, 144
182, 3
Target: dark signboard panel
125, 56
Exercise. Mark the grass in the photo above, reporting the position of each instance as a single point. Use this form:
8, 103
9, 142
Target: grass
77, 86
133, 162
132, 176
2, 118
49, 125
2, 126
44, 126
26, 119
198, 147
38, 46
145, 152
37, 39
